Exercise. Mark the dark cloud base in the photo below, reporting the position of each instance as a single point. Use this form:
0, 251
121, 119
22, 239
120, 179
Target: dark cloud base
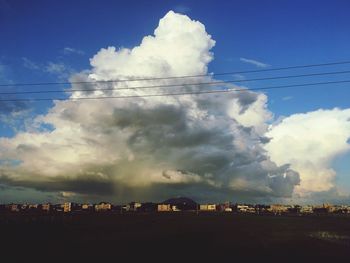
94, 188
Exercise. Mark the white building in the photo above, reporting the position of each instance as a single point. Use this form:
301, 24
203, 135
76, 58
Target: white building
245, 209
86, 206
307, 209
278, 209
67, 207
164, 208
102, 207
33, 206
207, 207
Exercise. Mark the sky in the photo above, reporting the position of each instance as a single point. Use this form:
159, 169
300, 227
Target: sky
278, 145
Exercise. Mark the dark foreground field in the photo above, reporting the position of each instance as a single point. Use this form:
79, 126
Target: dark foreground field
175, 238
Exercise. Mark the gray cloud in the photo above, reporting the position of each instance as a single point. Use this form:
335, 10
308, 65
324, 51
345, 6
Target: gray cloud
246, 99
89, 183
189, 153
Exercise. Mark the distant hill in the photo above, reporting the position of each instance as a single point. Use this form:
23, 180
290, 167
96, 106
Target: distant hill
183, 203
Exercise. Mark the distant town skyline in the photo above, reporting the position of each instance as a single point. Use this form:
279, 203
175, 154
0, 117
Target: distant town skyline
289, 145
172, 205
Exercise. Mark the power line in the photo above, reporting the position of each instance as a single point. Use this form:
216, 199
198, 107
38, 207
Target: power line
179, 94
179, 77
178, 85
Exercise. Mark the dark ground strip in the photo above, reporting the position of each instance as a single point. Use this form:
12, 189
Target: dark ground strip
178, 237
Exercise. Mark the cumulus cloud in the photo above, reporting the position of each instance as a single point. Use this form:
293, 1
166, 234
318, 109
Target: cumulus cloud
179, 46
309, 142
254, 62
208, 146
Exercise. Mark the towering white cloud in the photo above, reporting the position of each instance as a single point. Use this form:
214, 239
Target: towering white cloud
310, 142
179, 47
208, 146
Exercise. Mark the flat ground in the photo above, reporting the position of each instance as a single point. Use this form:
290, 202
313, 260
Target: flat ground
176, 237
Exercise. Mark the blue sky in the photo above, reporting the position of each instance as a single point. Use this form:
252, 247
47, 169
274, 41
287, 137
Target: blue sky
47, 41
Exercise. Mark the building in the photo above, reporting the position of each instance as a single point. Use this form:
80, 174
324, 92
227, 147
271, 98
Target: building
207, 207
164, 208
133, 206
245, 209
306, 209
225, 207
67, 207
262, 209
174, 208
343, 209
46, 207
278, 209
13, 208
87, 207
294, 209
103, 207
33, 206
137, 205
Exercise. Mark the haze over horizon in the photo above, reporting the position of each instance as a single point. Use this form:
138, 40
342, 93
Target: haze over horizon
246, 146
